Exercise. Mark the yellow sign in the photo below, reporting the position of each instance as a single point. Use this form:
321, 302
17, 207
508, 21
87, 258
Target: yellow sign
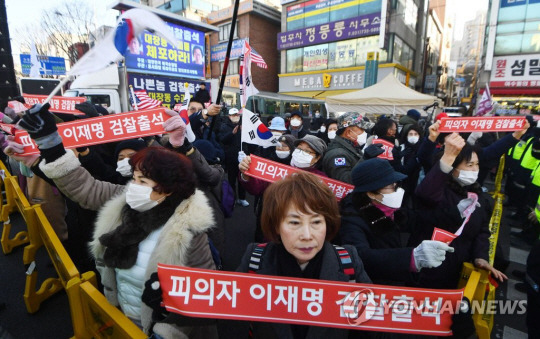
232, 81
327, 78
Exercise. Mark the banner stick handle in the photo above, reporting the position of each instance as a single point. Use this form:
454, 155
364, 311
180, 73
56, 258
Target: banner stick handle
56, 89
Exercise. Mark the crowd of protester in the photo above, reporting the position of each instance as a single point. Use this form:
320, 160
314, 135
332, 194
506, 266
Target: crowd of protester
163, 199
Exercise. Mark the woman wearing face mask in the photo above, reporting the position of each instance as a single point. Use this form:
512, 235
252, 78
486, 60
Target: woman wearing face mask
452, 182
328, 130
296, 126
300, 218
160, 216
371, 220
411, 139
306, 155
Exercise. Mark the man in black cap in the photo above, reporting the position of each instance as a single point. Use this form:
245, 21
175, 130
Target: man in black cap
296, 126
345, 150
202, 94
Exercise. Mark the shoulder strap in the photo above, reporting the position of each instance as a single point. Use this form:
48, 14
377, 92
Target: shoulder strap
256, 256
345, 262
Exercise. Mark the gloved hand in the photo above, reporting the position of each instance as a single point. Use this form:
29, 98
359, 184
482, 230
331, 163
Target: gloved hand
471, 140
176, 127
11, 147
430, 253
152, 296
373, 151
241, 156
462, 322
88, 109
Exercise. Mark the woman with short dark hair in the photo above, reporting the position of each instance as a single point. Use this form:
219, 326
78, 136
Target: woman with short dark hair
300, 216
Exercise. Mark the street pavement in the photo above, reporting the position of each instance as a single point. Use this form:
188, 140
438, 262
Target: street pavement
53, 319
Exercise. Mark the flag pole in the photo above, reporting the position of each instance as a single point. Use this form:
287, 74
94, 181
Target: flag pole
56, 89
226, 62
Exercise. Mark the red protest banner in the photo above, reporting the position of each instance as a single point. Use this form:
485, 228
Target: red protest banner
387, 147
442, 235
482, 124
242, 296
272, 171
58, 104
99, 130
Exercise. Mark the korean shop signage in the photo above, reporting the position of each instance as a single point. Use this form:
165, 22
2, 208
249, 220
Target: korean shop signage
516, 71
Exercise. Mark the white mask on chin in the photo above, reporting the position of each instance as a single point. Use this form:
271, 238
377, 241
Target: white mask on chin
331, 134
138, 197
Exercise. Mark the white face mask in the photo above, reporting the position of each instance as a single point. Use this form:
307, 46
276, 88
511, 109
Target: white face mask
361, 139
138, 197
393, 200
317, 115
282, 154
124, 168
331, 134
277, 134
323, 128
234, 119
466, 178
413, 139
296, 122
301, 159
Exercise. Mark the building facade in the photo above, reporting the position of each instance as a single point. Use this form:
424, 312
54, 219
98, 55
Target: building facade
512, 58
325, 44
258, 24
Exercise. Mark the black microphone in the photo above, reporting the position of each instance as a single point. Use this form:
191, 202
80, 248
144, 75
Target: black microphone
435, 104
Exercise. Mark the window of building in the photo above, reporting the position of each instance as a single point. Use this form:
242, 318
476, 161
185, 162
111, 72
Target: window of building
225, 31
518, 28
233, 67
341, 54
402, 53
408, 10
315, 57
294, 60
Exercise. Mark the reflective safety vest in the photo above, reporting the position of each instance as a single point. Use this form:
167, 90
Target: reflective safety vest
527, 160
535, 175
517, 151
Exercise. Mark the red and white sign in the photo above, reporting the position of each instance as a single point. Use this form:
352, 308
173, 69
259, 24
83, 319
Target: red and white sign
242, 296
516, 71
99, 130
482, 124
442, 235
387, 147
272, 171
58, 104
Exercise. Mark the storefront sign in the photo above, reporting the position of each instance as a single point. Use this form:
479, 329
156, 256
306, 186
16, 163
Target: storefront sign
165, 89
358, 27
232, 81
255, 297
153, 54
516, 71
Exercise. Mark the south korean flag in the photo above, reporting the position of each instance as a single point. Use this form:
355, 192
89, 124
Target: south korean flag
255, 132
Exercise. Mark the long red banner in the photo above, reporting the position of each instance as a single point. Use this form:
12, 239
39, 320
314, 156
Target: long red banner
241, 296
58, 104
272, 171
482, 124
99, 130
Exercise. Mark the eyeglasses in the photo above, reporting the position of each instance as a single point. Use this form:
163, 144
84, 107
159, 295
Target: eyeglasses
392, 187
310, 152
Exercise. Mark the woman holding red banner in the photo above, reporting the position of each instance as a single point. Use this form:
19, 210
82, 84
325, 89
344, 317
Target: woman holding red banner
300, 217
452, 182
160, 216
